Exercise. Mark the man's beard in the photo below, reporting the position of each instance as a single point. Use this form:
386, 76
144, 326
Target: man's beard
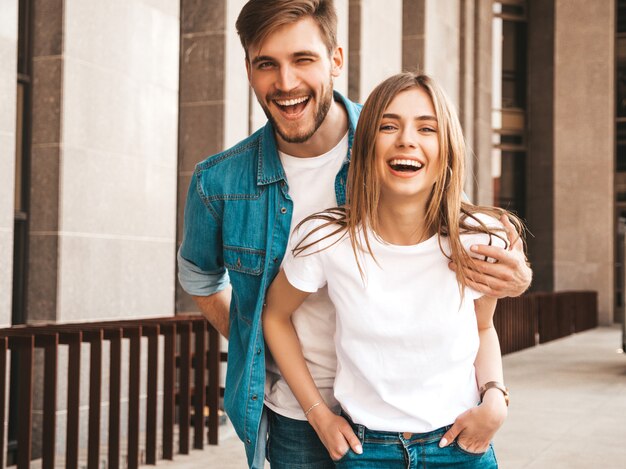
323, 106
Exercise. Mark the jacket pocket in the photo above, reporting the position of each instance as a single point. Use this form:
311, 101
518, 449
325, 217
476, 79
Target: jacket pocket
244, 260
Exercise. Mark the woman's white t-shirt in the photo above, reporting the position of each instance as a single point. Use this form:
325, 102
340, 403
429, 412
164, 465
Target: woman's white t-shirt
406, 342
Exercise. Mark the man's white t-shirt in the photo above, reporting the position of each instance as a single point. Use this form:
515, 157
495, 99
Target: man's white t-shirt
312, 189
406, 342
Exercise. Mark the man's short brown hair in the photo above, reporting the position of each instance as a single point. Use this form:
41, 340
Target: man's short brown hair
259, 18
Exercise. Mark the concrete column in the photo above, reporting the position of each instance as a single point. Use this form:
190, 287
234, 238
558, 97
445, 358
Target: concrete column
541, 128
202, 104
442, 45
47, 82
103, 184
584, 149
381, 43
8, 90
343, 18
117, 177
354, 50
413, 35
236, 88
466, 87
482, 131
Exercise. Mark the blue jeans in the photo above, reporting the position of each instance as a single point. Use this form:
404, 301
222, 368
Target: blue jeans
392, 451
293, 444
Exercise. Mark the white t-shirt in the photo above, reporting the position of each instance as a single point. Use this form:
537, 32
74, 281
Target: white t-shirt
406, 343
312, 189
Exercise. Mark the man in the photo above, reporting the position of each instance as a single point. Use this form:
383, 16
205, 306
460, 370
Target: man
243, 203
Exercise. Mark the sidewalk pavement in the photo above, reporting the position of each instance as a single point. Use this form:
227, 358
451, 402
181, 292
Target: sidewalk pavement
568, 410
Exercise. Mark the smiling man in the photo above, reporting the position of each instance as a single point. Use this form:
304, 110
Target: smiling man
243, 204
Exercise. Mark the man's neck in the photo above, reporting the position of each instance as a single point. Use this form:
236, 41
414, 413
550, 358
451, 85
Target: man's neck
327, 136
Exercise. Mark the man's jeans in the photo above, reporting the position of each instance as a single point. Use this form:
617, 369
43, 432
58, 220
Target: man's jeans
293, 444
391, 450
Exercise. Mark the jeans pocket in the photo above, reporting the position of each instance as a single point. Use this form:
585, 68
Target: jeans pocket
460, 448
344, 458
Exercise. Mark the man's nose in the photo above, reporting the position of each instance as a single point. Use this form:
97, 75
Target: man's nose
287, 79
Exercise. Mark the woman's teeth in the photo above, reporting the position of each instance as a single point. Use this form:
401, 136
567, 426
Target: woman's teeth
405, 165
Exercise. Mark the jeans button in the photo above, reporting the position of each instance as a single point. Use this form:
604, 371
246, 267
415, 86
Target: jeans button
283, 210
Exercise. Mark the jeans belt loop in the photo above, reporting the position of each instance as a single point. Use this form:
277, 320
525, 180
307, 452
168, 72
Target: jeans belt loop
361, 432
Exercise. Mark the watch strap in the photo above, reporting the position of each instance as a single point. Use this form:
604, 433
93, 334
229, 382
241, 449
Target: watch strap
497, 385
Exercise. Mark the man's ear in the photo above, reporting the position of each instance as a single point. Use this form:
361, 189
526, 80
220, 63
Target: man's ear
336, 61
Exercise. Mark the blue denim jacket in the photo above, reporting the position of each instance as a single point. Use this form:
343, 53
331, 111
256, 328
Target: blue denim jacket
237, 220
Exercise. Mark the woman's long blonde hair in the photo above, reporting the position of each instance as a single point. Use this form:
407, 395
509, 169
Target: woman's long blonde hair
446, 212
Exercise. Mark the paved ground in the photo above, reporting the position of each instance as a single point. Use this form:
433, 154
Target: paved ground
568, 410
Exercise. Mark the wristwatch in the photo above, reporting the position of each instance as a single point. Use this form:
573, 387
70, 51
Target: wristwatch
495, 384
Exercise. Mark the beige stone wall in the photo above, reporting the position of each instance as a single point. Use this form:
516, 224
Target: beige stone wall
8, 90
442, 43
381, 43
236, 88
117, 203
584, 149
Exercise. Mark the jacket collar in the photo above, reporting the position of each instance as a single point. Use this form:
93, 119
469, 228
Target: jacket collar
270, 169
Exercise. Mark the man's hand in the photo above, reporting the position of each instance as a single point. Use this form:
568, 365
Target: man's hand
475, 428
510, 275
335, 432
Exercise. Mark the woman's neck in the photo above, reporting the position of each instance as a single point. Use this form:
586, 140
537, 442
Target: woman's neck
403, 223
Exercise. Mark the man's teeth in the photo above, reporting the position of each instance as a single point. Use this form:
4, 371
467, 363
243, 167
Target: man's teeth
292, 102
406, 163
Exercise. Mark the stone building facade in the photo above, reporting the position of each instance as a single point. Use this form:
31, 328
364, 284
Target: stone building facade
108, 106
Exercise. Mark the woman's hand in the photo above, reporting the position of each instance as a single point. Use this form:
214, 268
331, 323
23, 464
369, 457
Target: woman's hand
335, 432
475, 428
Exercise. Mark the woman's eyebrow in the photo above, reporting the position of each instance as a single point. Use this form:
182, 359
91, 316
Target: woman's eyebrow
388, 115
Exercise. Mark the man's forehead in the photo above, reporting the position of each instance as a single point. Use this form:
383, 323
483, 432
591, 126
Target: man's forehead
289, 40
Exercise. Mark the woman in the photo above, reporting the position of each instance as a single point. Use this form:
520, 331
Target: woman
416, 348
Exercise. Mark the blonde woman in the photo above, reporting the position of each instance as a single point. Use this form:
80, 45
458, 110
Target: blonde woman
419, 375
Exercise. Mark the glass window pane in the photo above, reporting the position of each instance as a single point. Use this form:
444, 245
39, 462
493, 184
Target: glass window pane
509, 190
621, 16
621, 76
620, 163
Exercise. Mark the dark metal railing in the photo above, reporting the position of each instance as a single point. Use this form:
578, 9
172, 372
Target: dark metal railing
541, 317
191, 347
515, 320
189, 355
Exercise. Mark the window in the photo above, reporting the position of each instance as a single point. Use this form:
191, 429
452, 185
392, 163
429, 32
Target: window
22, 152
620, 87
20, 236
509, 105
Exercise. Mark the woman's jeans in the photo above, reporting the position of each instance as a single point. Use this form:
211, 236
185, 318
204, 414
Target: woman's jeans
391, 450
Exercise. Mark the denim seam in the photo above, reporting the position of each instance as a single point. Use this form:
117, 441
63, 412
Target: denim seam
205, 200
244, 249
263, 290
222, 197
236, 151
